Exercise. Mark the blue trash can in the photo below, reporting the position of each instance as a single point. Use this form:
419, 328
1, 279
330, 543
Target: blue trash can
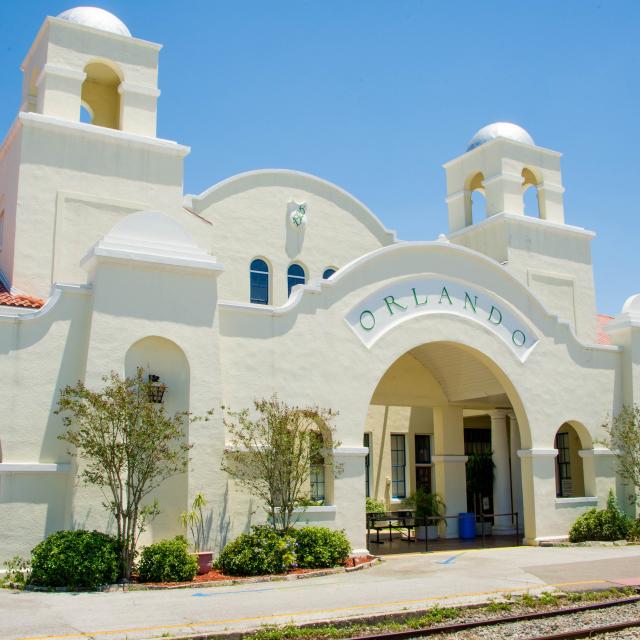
467, 526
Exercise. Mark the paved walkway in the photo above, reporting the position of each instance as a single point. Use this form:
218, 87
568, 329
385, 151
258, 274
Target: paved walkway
400, 583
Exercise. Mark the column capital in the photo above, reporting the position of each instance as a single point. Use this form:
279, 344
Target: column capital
498, 414
537, 453
445, 458
600, 451
350, 452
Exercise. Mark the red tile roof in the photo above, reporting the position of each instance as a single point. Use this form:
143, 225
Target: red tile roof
602, 337
8, 299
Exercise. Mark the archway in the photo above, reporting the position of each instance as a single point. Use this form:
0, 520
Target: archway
438, 408
571, 438
99, 96
163, 358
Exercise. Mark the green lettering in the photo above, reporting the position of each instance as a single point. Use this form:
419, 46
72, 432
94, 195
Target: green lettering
518, 338
444, 294
390, 300
415, 297
498, 315
468, 299
371, 320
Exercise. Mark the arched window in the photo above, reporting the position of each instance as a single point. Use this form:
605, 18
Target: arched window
100, 94
317, 480
569, 471
259, 282
328, 272
295, 275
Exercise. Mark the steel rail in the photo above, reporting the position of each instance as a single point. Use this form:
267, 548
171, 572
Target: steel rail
589, 632
489, 622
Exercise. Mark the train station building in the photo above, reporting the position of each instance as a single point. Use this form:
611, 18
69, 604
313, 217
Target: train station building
484, 340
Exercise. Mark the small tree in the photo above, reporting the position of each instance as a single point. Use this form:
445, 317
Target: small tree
128, 446
624, 441
272, 452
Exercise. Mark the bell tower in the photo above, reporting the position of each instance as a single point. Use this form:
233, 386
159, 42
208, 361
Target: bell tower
501, 163
87, 58
83, 151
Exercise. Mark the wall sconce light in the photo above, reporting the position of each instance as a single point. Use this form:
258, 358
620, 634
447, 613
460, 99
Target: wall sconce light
156, 389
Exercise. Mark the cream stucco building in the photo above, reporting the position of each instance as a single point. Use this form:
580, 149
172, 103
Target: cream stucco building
485, 339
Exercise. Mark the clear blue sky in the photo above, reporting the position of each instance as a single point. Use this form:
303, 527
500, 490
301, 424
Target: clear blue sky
375, 96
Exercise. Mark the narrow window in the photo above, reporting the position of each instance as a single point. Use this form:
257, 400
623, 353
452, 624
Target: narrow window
259, 282
565, 486
328, 272
316, 477
295, 275
367, 465
423, 462
398, 467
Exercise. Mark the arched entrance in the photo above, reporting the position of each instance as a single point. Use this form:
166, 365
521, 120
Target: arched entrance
443, 419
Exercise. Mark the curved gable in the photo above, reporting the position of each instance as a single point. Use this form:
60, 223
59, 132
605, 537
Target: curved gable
251, 214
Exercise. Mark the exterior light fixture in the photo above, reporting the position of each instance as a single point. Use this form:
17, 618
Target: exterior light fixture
156, 389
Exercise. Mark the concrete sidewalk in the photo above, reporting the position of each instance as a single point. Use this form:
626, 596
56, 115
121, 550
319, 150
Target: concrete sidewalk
400, 583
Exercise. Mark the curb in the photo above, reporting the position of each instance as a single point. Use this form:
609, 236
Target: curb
132, 586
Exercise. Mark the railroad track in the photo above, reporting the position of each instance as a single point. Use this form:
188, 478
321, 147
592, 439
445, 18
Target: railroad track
569, 634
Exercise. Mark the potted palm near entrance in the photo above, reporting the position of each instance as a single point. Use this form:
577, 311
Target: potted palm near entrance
193, 521
427, 505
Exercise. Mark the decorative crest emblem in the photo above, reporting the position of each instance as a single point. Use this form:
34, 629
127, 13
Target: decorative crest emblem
298, 214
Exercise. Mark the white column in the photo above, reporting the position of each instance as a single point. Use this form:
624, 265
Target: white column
501, 479
348, 495
449, 463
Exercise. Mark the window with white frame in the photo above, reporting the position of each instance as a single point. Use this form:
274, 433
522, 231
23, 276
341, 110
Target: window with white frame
295, 275
317, 474
259, 281
398, 467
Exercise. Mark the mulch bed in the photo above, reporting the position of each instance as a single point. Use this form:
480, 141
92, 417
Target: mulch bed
217, 576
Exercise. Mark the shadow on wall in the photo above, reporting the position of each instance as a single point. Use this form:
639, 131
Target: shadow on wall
164, 358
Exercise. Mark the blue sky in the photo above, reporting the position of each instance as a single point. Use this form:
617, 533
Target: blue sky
375, 96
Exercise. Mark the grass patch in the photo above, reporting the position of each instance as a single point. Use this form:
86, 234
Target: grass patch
435, 616
496, 606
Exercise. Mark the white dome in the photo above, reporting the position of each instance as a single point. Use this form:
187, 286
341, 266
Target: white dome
500, 130
97, 19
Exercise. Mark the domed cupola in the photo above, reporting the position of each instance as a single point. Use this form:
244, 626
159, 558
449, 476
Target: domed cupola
96, 18
506, 130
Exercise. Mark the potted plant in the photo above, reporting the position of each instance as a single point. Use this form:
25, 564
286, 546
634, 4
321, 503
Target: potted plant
427, 505
479, 470
194, 522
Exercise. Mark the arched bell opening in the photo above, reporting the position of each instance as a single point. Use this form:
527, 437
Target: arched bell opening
100, 96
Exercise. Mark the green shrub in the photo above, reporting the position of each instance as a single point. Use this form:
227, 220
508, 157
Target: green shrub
17, 573
633, 535
263, 551
319, 547
76, 559
604, 524
374, 506
167, 561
